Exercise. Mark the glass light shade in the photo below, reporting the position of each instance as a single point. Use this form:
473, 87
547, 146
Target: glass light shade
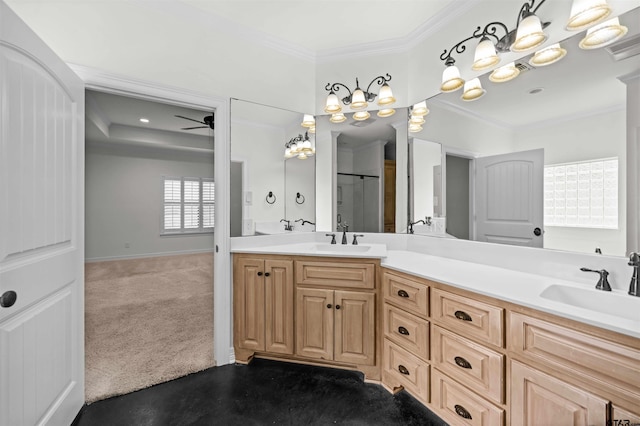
387, 112
485, 56
357, 99
414, 128
473, 90
302, 156
312, 129
306, 144
385, 97
338, 117
420, 109
308, 121
603, 34
451, 80
333, 104
416, 119
548, 55
529, 34
504, 73
287, 153
294, 148
587, 12
361, 115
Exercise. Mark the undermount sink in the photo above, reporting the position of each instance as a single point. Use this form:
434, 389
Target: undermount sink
342, 248
611, 303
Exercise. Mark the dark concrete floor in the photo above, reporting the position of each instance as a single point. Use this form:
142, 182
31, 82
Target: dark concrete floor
265, 392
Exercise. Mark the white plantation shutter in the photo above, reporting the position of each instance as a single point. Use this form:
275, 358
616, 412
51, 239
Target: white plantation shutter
188, 205
583, 194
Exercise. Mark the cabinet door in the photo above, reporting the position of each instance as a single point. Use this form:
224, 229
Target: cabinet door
355, 327
314, 323
248, 303
279, 306
539, 399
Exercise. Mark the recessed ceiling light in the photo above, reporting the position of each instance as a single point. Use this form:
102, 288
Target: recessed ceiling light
144, 120
536, 90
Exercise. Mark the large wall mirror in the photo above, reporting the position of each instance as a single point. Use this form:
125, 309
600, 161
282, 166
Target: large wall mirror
537, 161
364, 181
272, 190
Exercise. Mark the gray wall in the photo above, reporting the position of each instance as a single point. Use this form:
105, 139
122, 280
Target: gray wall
123, 196
236, 198
457, 175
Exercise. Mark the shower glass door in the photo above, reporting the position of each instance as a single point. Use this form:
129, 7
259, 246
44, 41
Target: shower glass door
358, 199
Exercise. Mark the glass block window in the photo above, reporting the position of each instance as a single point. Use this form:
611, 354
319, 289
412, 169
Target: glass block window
583, 194
188, 205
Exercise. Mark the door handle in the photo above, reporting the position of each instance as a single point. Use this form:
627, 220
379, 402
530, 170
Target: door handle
259, 274
537, 232
266, 274
8, 298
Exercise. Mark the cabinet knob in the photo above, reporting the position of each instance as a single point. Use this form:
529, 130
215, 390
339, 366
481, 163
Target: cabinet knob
329, 306
463, 316
462, 412
259, 274
337, 306
266, 274
403, 293
402, 369
461, 362
8, 298
403, 331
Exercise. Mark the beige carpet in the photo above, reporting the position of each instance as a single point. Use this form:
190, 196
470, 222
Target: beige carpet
146, 321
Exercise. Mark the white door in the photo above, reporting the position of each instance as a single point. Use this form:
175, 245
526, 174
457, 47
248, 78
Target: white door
41, 231
509, 198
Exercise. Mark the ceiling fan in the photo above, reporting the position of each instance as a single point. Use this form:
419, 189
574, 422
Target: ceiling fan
207, 121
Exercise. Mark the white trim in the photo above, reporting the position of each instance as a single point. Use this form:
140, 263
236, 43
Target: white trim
122, 85
146, 255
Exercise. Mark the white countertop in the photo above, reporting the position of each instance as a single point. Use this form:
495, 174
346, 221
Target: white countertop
514, 286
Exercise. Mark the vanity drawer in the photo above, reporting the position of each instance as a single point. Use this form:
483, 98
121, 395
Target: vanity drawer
478, 367
607, 363
408, 331
458, 406
407, 370
624, 417
467, 316
335, 274
410, 295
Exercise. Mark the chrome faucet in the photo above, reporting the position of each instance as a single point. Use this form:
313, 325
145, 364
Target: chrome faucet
427, 220
634, 260
415, 223
603, 282
345, 229
287, 225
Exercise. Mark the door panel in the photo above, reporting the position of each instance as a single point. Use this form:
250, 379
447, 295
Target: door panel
41, 223
509, 198
355, 327
249, 295
314, 323
279, 306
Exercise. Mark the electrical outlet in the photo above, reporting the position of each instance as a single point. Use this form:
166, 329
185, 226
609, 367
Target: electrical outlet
247, 227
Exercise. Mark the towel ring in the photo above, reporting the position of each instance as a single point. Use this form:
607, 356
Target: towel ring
298, 197
271, 198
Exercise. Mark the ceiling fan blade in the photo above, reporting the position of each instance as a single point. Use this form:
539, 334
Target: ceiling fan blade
191, 128
191, 119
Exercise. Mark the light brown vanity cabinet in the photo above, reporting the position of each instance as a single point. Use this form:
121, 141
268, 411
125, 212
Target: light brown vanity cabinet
263, 298
336, 310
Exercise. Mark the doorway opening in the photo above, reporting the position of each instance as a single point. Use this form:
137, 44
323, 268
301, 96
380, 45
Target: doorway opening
458, 196
149, 242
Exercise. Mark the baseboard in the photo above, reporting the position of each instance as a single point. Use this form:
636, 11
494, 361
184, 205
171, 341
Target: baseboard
146, 255
232, 355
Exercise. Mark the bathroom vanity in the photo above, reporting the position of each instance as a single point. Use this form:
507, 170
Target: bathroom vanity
475, 343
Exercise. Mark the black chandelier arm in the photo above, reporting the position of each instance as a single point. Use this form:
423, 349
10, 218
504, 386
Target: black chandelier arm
459, 47
491, 29
379, 80
528, 8
335, 87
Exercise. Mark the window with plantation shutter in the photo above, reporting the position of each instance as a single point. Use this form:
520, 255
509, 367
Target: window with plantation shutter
188, 205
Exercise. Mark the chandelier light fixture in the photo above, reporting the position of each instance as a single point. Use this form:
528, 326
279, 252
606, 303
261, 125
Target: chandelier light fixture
309, 122
416, 116
359, 99
496, 38
300, 147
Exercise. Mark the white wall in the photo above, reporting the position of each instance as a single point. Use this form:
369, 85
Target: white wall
580, 139
425, 156
124, 196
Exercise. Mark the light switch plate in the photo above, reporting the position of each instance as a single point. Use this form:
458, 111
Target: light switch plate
248, 198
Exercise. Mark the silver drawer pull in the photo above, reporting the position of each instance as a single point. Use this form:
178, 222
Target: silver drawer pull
403, 370
462, 315
462, 362
462, 412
